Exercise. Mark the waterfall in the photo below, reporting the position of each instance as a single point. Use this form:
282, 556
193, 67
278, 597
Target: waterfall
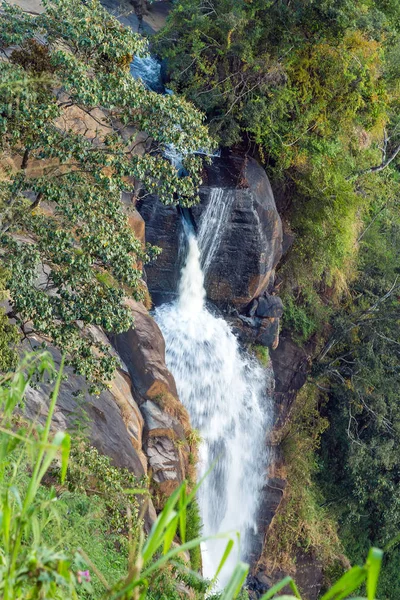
225, 392
148, 69
212, 223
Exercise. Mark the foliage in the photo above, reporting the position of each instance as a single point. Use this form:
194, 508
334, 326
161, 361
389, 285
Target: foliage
360, 367
9, 337
262, 354
40, 526
298, 319
90, 470
29, 567
193, 531
311, 89
301, 522
70, 254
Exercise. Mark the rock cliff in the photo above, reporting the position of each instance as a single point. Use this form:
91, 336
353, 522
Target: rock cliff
251, 240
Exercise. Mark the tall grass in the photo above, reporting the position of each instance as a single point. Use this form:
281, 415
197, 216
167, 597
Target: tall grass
31, 569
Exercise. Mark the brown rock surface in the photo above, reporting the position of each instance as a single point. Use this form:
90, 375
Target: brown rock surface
142, 349
112, 420
290, 363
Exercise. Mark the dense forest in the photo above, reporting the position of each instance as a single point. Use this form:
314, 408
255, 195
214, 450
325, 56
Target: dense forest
311, 90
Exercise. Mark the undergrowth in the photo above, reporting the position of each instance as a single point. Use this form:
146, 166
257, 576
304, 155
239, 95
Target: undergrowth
58, 544
301, 522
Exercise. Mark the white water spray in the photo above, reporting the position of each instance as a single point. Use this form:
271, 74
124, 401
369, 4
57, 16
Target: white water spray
225, 393
212, 225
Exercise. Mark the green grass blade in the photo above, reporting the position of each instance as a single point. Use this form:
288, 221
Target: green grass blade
175, 551
155, 538
15, 492
346, 584
279, 586
6, 520
53, 401
170, 533
51, 452
235, 584
374, 563
224, 558
65, 450
182, 513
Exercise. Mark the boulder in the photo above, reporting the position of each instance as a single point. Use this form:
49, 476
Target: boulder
111, 420
269, 306
142, 349
165, 447
268, 333
254, 330
250, 238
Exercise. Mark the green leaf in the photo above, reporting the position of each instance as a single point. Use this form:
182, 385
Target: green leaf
182, 512
65, 451
287, 581
346, 584
235, 583
224, 558
374, 563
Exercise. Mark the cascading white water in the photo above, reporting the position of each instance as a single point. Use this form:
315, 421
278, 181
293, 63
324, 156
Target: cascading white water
148, 69
212, 225
225, 392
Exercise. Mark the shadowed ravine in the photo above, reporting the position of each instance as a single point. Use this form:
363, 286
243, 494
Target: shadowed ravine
224, 390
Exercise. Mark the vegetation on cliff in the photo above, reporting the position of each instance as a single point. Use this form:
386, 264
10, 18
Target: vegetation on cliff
72, 525
76, 130
312, 90
360, 463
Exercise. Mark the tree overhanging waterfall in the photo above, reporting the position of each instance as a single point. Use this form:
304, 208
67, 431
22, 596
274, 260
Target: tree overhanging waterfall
225, 392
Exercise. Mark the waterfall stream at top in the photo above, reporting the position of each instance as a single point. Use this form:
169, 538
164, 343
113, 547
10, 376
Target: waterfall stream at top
225, 392
223, 388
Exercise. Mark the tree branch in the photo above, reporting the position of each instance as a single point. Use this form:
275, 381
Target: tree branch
385, 162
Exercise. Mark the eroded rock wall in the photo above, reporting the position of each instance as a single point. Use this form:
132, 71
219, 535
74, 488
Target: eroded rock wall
251, 239
166, 422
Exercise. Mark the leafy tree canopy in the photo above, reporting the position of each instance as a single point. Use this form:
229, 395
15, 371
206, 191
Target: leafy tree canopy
360, 466
311, 88
67, 247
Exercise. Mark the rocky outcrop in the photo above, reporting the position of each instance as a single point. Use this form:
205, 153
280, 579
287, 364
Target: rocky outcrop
166, 422
290, 363
112, 420
166, 447
139, 421
251, 238
163, 229
261, 321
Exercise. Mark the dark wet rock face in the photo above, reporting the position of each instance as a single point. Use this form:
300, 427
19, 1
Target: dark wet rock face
269, 306
290, 363
163, 229
251, 238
